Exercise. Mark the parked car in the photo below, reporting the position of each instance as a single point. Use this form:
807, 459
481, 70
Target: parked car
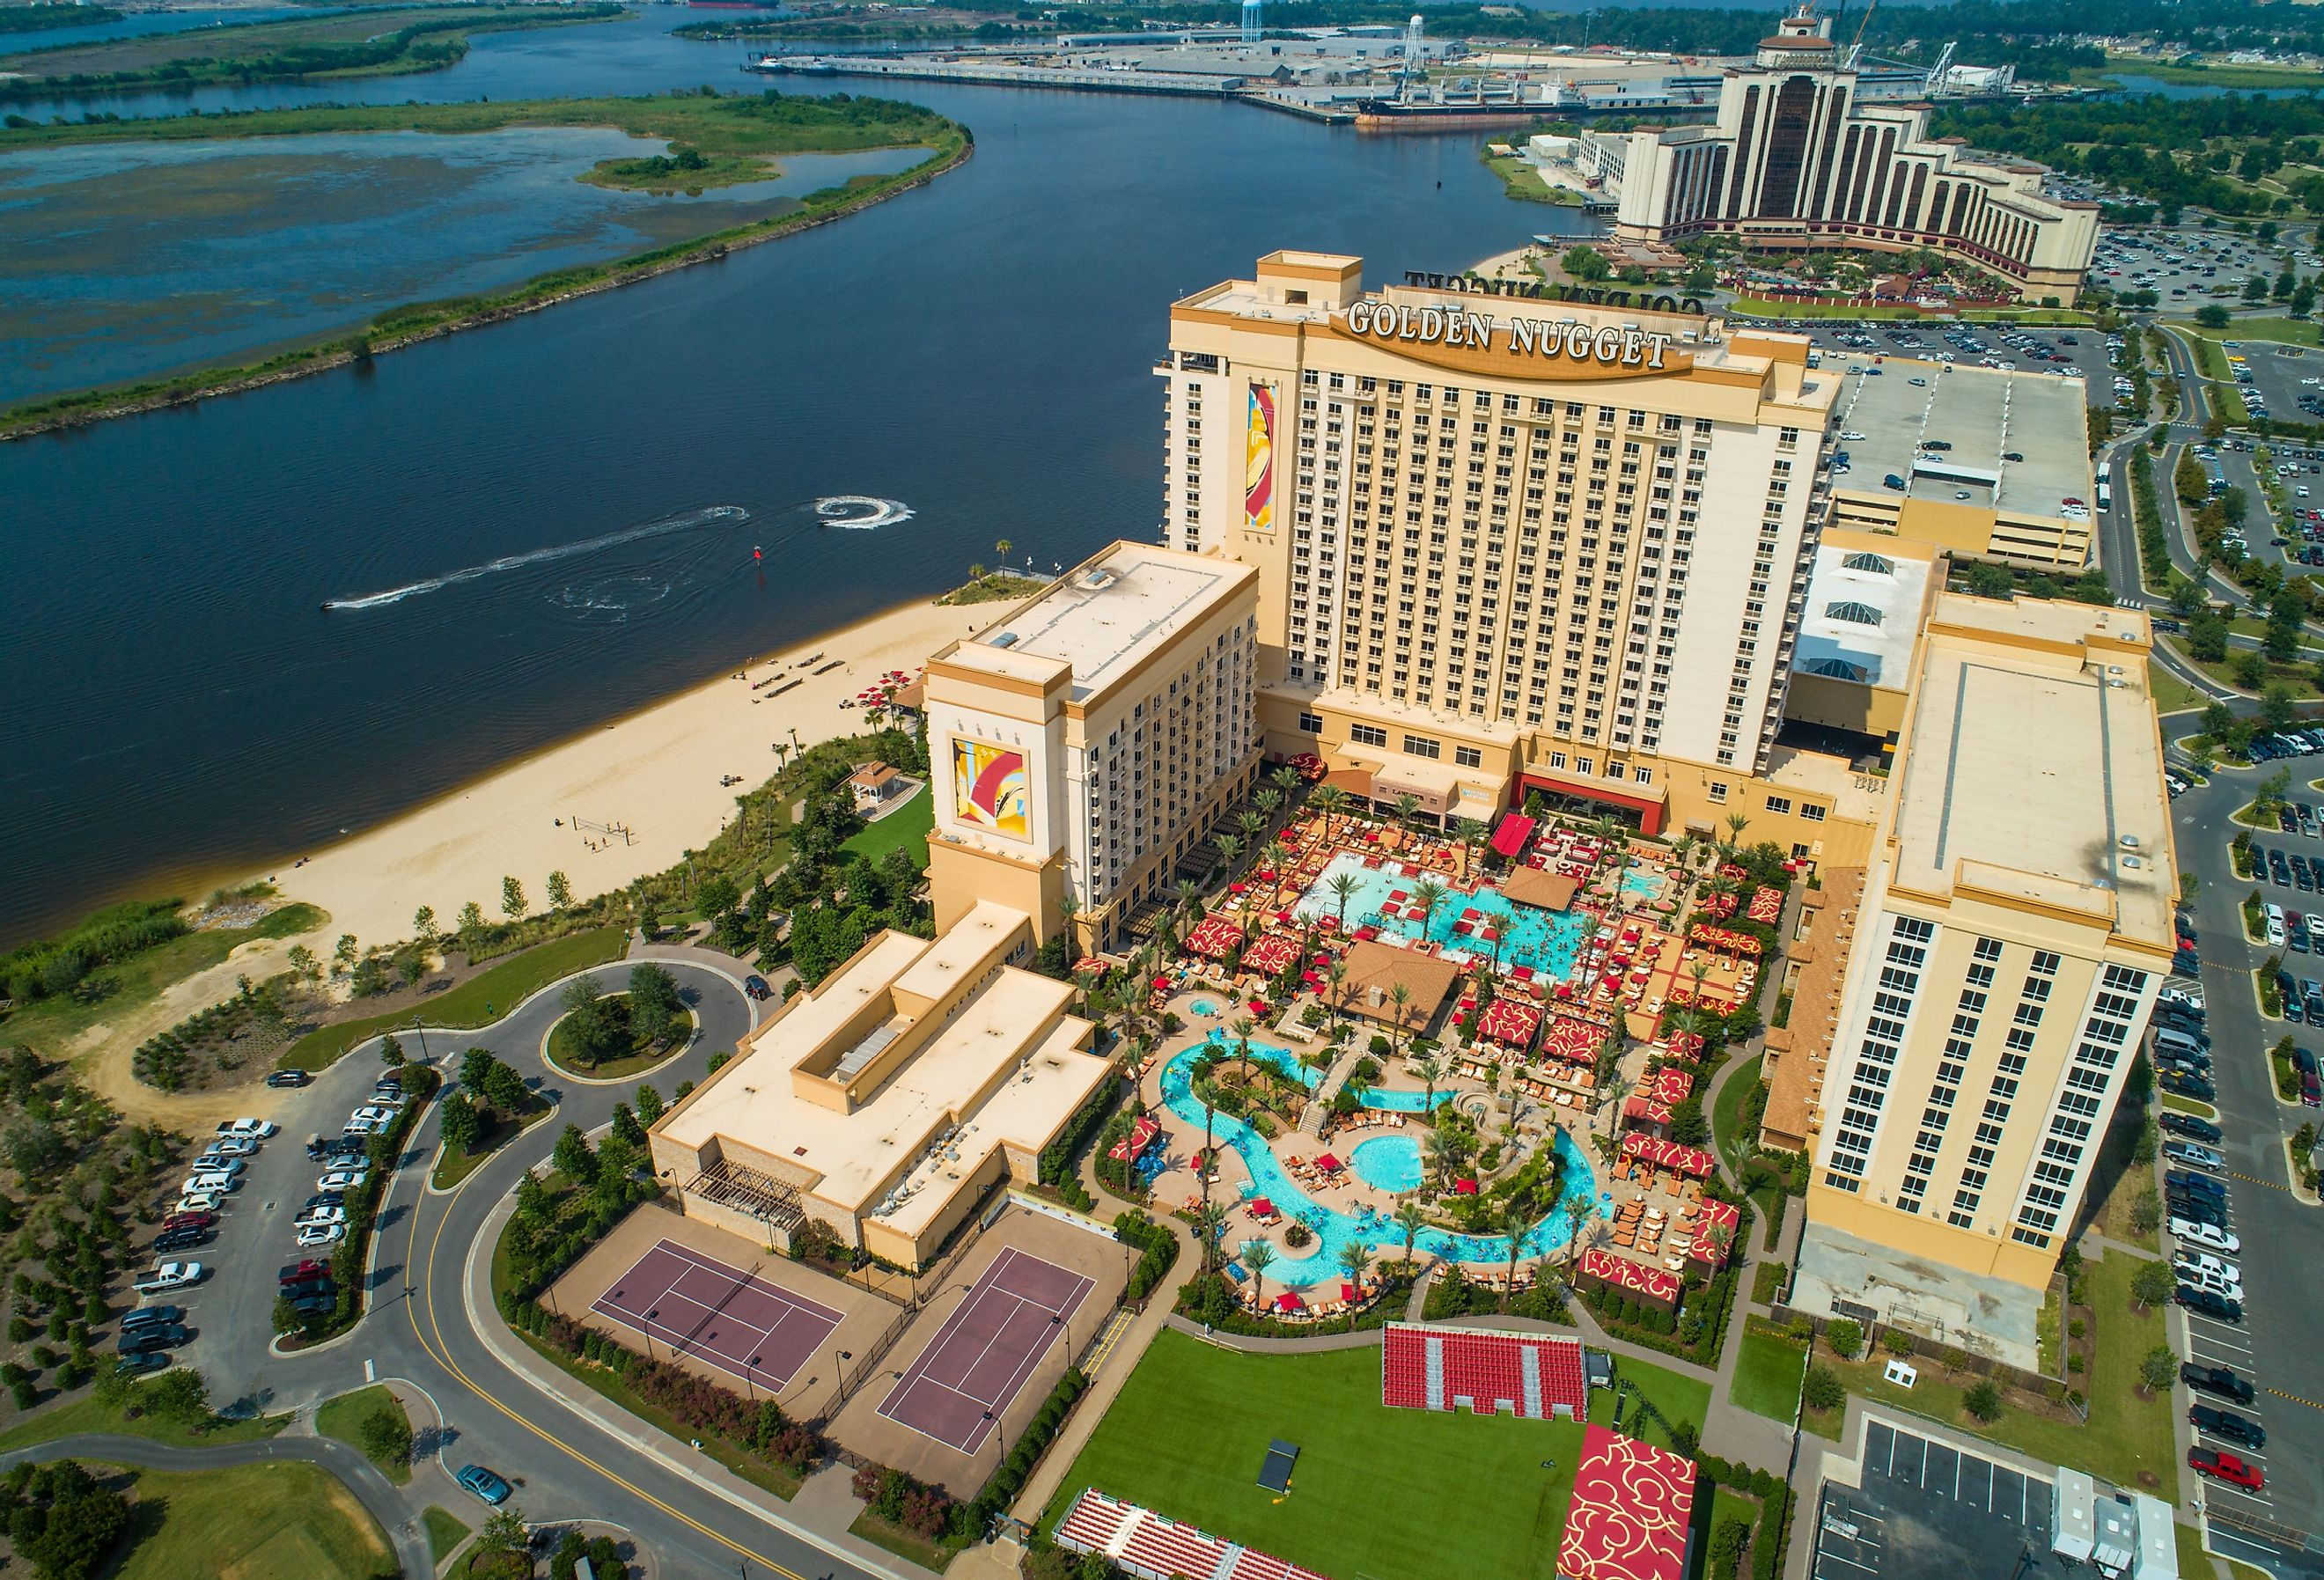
2209, 1302
2193, 1153
168, 1275
2229, 1425
490, 1488
208, 1185
199, 1201
304, 1268
343, 1179
2220, 1465
170, 1240
313, 1234
230, 1147
289, 1078
323, 1214
2188, 1085
145, 1341
2209, 1236
2197, 1184
2192, 1128
259, 1128
147, 1315
372, 1114
189, 1220
139, 1365
2217, 1380
215, 1162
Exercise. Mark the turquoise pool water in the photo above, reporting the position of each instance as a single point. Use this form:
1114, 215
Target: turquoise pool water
1390, 1163
1334, 1229
1404, 1101
1644, 882
1546, 941
1204, 1007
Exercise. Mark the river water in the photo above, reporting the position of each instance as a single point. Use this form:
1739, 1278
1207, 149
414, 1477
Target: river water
180, 704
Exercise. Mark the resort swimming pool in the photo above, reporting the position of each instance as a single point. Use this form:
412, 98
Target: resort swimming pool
1334, 1229
1403, 1102
1641, 882
1205, 1007
1546, 941
1390, 1163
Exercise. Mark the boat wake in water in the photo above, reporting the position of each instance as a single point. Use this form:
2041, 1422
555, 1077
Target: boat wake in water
860, 512
718, 514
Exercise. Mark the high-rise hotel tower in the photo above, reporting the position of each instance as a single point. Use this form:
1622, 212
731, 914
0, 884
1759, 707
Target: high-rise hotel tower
1505, 543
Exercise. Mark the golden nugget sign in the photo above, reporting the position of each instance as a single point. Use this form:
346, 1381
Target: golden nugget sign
1603, 347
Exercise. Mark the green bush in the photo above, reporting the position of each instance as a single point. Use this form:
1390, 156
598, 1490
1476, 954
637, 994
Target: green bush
1822, 1390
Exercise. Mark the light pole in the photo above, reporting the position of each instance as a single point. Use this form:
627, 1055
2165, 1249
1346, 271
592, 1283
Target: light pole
845, 1356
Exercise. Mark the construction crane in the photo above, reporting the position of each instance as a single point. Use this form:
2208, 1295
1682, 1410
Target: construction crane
1856, 44
1937, 72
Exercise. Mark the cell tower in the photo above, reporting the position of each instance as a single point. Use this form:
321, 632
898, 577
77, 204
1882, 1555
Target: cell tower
1251, 28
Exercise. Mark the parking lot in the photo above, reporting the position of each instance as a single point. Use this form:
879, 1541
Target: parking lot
2189, 267
2076, 351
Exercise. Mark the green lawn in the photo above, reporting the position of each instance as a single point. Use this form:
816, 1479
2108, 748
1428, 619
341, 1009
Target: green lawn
1726, 1116
2171, 694
643, 1056
84, 1413
281, 1521
445, 1531
1726, 1503
114, 991
1679, 1398
2286, 331
1767, 1376
1418, 1494
905, 828
342, 1417
480, 1000
2127, 1439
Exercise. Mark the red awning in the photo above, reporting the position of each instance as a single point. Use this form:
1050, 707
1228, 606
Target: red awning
1464, 1187
1328, 1163
1287, 1302
1511, 836
1140, 1137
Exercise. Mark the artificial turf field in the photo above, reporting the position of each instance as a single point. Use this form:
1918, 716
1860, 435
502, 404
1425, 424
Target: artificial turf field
1416, 1494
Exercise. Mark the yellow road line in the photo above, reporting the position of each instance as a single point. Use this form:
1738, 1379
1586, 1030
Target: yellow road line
442, 1355
2254, 1179
2294, 1397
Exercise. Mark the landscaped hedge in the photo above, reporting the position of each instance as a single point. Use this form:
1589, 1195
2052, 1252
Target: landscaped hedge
1214, 1302
420, 1084
1159, 1248
971, 1518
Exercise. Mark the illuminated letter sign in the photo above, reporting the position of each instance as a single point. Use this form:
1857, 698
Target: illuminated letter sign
1611, 347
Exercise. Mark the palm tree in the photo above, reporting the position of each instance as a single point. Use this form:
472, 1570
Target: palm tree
1615, 1089
1549, 1281
1470, 833
1356, 1261
1242, 1026
1735, 823
1259, 1256
1446, 1153
1067, 909
1513, 1225
1400, 999
1331, 802
1412, 1221
1210, 1220
1407, 809
1719, 1237
1431, 1069
1286, 780
1203, 1085
1342, 889
1251, 823
1268, 801
1336, 975
1430, 895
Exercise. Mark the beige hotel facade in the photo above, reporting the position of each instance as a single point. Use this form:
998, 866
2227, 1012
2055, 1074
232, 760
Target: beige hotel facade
1507, 544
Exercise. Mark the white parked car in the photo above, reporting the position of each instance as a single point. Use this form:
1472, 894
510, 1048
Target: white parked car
313, 1234
375, 1114
208, 1184
170, 1275
360, 1126
2209, 1236
231, 1147
322, 1216
252, 1128
199, 1201
218, 1163
2203, 1264
343, 1179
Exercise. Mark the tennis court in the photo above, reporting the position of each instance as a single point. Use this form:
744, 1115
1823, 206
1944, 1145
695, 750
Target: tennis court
958, 1389
717, 1314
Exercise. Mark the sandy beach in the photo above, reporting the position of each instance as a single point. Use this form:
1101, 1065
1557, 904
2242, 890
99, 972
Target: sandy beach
655, 774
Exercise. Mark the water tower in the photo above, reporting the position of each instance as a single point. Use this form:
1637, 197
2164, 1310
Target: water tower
1251, 28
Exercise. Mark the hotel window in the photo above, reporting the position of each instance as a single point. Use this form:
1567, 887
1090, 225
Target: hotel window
1368, 735
1585, 765
1718, 792
1779, 805
1811, 812
1468, 757
1642, 776
1422, 746
1557, 760
1311, 724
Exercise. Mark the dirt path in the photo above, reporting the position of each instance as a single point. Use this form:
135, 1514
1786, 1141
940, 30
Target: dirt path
101, 1055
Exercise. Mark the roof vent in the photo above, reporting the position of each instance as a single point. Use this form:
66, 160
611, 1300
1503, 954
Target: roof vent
2130, 842
1099, 580
2131, 863
1006, 639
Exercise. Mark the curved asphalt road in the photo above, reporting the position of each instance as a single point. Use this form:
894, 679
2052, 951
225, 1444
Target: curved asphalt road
428, 1326
362, 1477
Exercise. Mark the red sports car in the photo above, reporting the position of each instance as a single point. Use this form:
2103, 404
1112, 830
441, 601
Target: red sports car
2225, 1467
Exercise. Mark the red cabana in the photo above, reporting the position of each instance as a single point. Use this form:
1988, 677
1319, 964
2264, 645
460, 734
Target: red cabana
1464, 1187
1271, 953
1140, 1137
1572, 1039
1287, 1302
1768, 906
1670, 1085
1651, 1283
1089, 963
1663, 1154
1726, 941
1508, 1021
1685, 1045
1511, 836
1328, 1163
1215, 938
1646, 1109
1716, 1215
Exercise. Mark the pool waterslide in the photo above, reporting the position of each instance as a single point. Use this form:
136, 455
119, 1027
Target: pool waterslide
1334, 1229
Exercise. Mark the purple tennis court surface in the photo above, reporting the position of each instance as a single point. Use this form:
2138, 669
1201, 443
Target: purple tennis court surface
718, 1314
958, 1388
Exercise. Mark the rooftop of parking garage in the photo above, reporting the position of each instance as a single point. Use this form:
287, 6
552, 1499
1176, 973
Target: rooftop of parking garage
1986, 415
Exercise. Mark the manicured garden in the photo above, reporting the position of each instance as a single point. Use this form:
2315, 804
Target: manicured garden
906, 829
480, 1000
1188, 1433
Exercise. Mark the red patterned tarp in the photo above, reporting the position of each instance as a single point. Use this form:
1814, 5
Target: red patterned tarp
1270, 954
1215, 937
1632, 1507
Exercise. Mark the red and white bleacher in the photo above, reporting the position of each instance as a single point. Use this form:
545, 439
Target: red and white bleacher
1141, 1542
1440, 1368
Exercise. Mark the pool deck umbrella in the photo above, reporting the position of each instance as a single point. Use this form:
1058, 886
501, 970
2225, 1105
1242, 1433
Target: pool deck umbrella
1140, 1137
1508, 1021
1287, 1302
1328, 1163
1464, 1187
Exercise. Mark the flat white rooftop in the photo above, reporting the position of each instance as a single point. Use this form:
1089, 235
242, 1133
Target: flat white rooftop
1986, 415
1108, 615
2033, 767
